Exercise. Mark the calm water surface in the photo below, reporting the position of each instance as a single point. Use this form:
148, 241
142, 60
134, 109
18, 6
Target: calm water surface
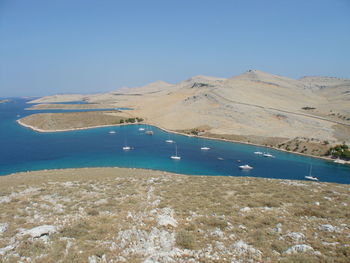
23, 149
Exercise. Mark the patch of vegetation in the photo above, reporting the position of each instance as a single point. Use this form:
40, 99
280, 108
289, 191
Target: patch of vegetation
131, 120
199, 85
212, 222
92, 212
185, 239
196, 131
308, 108
339, 151
77, 230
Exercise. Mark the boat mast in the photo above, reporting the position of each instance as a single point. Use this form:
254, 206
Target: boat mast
310, 170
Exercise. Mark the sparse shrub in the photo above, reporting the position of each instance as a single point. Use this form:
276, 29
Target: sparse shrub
130, 120
278, 245
316, 212
29, 248
76, 231
92, 212
195, 131
299, 258
185, 239
308, 108
344, 251
213, 222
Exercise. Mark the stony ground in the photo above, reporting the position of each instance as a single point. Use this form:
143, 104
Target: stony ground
130, 215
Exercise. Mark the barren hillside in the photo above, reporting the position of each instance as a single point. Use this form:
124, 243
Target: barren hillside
133, 215
254, 103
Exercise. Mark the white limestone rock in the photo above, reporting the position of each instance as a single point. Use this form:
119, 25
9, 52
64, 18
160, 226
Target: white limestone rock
242, 248
296, 236
217, 233
92, 259
278, 228
5, 199
6, 249
3, 227
298, 249
40, 231
244, 209
158, 245
165, 218
242, 227
327, 228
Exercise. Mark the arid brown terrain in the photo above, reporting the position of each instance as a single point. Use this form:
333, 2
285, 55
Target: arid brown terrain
132, 215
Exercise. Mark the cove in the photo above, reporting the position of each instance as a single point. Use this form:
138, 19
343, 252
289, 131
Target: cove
23, 150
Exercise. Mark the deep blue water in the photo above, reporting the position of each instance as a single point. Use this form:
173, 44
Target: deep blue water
22, 149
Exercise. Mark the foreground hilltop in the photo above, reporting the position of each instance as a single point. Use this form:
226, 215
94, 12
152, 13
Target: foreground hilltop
133, 215
254, 107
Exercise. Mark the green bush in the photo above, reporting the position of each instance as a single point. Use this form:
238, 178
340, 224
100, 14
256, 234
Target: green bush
339, 151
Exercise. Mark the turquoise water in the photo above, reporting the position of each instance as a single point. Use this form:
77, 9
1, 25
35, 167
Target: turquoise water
123, 108
23, 149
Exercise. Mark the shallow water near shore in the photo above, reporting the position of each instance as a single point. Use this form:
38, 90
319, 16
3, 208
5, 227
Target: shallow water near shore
23, 149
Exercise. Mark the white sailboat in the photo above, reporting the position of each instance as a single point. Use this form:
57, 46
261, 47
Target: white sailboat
149, 130
112, 132
141, 129
205, 148
310, 177
245, 167
169, 140
175, 157
126, 147
267, 154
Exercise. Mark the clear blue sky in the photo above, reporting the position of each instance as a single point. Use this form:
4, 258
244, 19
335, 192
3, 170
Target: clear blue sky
83, 46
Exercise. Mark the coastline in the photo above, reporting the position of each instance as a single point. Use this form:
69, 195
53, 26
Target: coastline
180, 133
249, 143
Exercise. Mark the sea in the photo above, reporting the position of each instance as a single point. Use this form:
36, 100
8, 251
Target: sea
22, 149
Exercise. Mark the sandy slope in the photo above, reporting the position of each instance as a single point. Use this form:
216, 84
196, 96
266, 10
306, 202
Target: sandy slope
254, 103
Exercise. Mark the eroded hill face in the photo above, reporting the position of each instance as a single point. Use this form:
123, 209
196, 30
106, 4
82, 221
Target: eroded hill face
254, 103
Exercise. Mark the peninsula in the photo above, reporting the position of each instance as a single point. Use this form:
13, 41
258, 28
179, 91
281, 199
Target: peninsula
55, 122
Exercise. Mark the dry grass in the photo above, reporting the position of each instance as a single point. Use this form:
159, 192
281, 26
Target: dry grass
111, 213
72, 120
